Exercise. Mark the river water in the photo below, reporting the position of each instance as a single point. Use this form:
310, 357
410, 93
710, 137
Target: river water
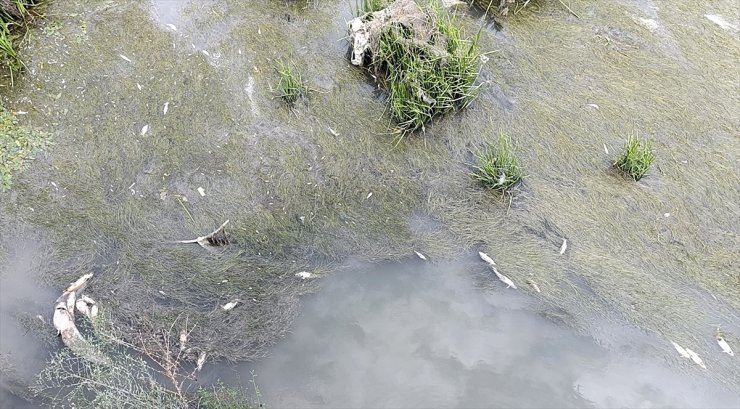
309, 187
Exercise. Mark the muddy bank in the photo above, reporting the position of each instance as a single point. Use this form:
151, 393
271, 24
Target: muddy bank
110, 197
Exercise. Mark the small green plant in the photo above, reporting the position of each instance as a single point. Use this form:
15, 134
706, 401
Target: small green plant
369, 6
498, 167
426, 75
18, 145
636, 159
290, 86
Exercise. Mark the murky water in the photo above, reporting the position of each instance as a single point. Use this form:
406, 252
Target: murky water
420, 335
647, 262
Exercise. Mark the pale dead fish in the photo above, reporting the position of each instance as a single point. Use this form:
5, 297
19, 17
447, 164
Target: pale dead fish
594, 106
217, 238
485, 258
725, 346
230, 305
369, 195
563, 247
606, 150
201, 360
124, 57
333, 132
695, 357
183, 339
20, 112
720, 21
421, 256
681, 350
506, 280
144, 130
201, 191
79, 283
138, 86
534, 285
172, 27
165, 108
43, 321
303, 275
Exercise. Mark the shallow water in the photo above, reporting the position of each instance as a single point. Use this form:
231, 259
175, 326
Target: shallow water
657, 258
426, 335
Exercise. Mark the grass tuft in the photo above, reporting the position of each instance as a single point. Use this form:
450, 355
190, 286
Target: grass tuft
636, 159
425, 80
498, 167
290, 86
15, 18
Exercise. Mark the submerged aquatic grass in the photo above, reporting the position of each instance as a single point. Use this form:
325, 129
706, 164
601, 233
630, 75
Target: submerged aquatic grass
426, 75
498, 166
18, 145
290, 86
637, 157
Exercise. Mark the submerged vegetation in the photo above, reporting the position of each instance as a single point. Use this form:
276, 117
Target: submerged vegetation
422, 59
18, 145
498, 166
637, 157
290, 86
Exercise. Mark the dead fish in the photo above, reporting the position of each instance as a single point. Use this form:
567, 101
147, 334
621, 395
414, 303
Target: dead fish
504, 279
201, 360
165, 108
421, 256
563, 247
91, 305
124, 57
534, 285
144, 130
201, 191
333, 132
172, 27
40, 317
695, 357
369, 195
216, 239
485, 258
606, 150
183, 339
303, 275
79, 283
230, 305
681, 350
725, 346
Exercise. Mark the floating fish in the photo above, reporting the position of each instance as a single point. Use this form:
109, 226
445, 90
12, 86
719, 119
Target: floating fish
216, 239
230, 305
421, 256
485, 258
183, 339
606, 150
124, 57
695, 357
333, 132
534, 285
303, 275
201, 191
724, 345
504, 279
144, 130
201, 360
563, 247
369, 195
165, 108
172, 27
681, 350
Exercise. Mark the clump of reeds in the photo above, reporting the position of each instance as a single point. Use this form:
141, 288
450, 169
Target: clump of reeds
498, 166
426, 79
15, 17
290, 86
636, 159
